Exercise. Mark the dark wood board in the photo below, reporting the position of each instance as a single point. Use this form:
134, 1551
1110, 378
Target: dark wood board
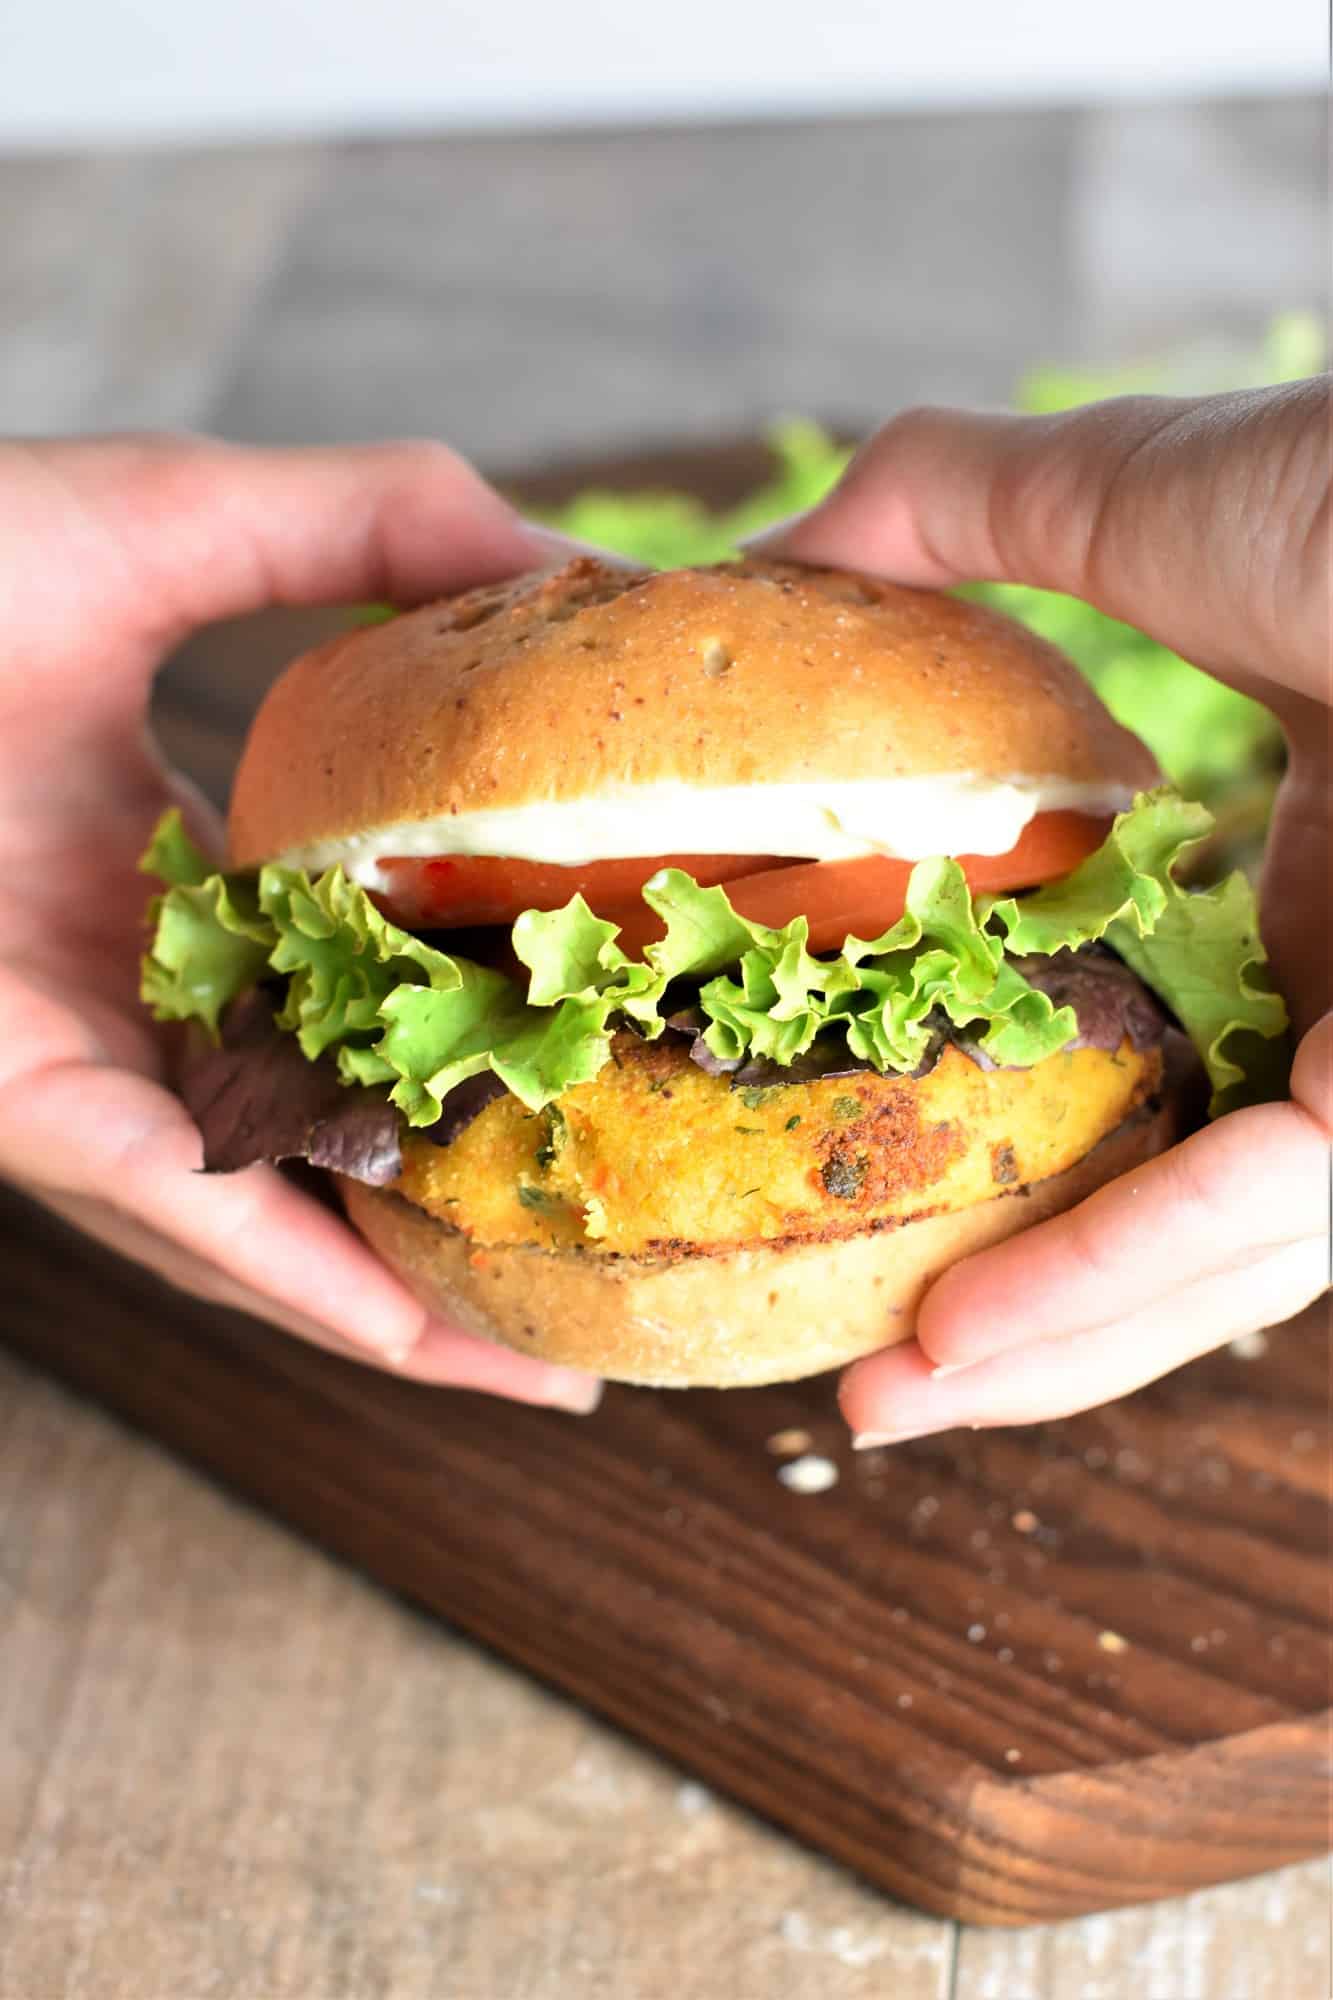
860, 1665
1009, 1676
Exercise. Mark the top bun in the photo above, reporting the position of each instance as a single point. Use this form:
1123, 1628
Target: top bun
591, 678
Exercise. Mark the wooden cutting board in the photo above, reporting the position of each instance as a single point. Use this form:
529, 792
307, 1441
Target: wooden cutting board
1008, 1676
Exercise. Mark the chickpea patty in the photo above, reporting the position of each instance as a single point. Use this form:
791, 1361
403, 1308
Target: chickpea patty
656, 1159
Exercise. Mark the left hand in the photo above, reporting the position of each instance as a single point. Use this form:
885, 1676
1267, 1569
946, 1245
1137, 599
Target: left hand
110, 553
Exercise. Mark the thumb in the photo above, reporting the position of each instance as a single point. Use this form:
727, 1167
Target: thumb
1204, 522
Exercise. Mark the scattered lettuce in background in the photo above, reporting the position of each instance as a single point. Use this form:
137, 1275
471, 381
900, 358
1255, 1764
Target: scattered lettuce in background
670, 530
1213, 743
1293, 347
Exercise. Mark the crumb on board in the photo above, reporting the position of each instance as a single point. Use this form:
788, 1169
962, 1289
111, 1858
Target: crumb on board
1112, 1642
1025, 1521
790, 1443
1012, 1756
809, 1474
1250, 1346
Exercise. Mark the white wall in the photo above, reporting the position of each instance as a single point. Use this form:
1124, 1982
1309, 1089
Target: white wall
78, 71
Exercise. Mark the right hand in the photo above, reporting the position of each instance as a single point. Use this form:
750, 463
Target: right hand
1205, 523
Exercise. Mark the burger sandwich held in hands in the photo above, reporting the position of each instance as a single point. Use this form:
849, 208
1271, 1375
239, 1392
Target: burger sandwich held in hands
679, 970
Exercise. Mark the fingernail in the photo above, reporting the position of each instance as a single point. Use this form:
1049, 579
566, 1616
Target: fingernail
570, 1389
950, 1368
872, 1440
373, 1346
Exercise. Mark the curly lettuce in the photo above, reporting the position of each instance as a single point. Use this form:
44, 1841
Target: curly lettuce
391, 1009
1199, 950
211, 940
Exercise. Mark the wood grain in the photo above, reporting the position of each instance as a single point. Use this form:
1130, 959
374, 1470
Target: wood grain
895, 1670
231, 1767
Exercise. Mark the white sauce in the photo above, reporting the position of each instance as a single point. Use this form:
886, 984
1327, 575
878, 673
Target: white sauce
820, 820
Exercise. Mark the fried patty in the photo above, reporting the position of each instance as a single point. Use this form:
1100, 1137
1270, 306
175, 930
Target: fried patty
654, 1158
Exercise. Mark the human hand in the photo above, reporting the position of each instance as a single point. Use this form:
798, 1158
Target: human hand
110, 553
1206, 523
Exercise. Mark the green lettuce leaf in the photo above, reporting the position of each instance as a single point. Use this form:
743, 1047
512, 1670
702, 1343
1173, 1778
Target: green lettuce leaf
342, 958
210, 940
571, 955
390, 1007
671, 530
209, 944
172, 856
1199, 951
881, 991
1203, 957
396, 1011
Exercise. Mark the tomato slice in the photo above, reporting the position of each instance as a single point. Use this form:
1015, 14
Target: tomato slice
861, 898
453, 891
841, 899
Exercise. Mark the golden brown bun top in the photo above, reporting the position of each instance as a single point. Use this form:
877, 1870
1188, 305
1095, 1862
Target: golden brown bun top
584, 680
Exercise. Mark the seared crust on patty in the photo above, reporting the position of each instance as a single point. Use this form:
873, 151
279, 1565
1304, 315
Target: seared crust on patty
654, 1159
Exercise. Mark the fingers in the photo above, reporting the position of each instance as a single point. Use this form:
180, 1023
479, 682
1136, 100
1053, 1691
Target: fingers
192, 529
127, 544
1294, 893
1203, 522
446, 1355
1254, 1183
117, 1154
1227, 1232
116, 548
899, 1394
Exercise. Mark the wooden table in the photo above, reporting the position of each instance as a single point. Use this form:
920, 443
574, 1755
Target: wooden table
227, 1765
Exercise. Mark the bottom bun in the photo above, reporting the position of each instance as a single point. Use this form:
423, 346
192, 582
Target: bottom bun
740, 1317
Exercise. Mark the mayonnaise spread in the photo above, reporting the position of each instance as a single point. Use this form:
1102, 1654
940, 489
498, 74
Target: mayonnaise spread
817, 819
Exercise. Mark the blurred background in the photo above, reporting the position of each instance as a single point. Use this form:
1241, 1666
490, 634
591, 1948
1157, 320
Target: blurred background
609, 247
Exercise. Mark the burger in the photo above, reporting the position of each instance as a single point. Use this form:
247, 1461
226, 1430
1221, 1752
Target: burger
678, 971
